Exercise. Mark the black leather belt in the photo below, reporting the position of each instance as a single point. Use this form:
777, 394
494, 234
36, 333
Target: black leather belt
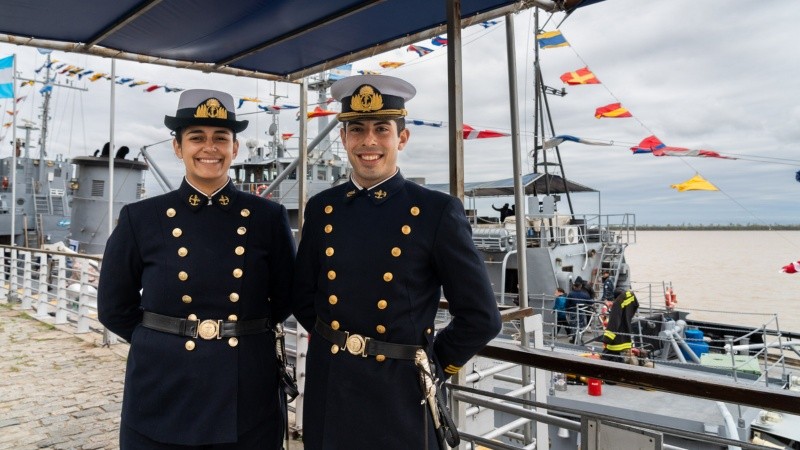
364, 346
205, 329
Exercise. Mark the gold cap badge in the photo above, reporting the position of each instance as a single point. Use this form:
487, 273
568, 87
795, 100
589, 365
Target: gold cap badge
366, 100
211, 109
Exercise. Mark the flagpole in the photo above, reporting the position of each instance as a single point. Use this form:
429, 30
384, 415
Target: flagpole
111, 148
12, 238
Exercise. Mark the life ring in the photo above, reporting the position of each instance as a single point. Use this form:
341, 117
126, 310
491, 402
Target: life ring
261, 188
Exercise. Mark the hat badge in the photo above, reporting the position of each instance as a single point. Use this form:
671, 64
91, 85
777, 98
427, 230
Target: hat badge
211, 108
367, 99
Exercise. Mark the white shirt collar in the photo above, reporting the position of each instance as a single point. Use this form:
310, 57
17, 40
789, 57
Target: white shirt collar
359, 187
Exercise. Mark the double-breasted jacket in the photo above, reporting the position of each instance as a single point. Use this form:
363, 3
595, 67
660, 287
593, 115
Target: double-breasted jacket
375, 262
185, 255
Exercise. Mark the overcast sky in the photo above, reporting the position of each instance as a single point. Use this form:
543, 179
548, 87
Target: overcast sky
716, 74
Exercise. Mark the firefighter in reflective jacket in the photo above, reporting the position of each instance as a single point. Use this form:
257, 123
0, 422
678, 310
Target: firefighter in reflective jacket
617, 337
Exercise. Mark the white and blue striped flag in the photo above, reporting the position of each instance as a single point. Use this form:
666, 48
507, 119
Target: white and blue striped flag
7, 77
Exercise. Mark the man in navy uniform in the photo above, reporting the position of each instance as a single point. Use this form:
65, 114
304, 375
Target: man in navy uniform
374, 257
195, 279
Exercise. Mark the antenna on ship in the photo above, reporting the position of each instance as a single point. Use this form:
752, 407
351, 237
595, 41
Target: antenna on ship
276, 144
543, 120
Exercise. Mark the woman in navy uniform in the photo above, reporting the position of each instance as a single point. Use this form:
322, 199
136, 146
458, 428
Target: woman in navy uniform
195, 279
374, 257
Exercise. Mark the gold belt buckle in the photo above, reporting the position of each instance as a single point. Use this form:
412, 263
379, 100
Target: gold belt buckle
209, 329
356, 345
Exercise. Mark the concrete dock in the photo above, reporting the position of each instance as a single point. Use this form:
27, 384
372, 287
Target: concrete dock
58, 389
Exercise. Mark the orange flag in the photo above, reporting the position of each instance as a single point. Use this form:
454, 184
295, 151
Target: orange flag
319, 112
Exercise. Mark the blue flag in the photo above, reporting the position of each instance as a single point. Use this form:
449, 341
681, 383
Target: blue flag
551, 39
7, 77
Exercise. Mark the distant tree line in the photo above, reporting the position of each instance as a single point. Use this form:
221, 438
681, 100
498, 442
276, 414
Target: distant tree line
718, 227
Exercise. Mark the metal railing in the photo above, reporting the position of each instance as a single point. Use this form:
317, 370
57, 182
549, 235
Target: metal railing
55, 284
59, 286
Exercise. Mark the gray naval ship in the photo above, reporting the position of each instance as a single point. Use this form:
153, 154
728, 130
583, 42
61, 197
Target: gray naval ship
55, 200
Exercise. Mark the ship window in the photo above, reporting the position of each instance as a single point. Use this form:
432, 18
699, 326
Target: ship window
98, 187
566, 268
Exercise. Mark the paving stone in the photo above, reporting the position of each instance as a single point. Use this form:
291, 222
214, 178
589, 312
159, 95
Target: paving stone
59, 390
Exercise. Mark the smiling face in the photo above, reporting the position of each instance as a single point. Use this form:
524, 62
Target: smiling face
207, 153
372, 147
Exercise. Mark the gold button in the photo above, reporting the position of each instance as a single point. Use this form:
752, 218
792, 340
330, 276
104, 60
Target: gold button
333, 299
237, 273
186, 299
428, 331
328, 228
335, 324
331, 275
380, 358
414, 211
329, 251
177, 232
192, 317
233, 318
406, 229
239, 250
241, 231
396, 251
183, 251
380, 329
234, 297
233, 342
334, 349
328, 209
189, 345
245, 212
171, 212
183, 276
382, 304
388, 276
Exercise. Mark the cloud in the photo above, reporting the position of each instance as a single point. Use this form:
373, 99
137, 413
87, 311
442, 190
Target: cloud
717, 75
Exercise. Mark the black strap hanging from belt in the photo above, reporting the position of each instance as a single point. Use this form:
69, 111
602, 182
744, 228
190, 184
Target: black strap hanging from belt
206, 329
359, 345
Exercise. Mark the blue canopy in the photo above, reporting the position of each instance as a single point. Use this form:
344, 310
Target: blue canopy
275, 39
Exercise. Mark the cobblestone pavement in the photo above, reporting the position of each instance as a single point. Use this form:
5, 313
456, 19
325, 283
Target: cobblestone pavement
58, 390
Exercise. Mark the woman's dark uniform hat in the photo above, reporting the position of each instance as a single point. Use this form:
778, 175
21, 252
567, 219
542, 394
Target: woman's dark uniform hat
205, 107
372, 97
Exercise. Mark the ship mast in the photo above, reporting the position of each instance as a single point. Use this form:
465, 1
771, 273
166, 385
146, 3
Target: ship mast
542, 119
45, 113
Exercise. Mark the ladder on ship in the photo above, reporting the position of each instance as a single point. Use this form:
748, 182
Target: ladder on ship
611, 257
32, 236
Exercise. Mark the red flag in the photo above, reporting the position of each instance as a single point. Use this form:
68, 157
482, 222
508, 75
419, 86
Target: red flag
612, 111
791, 267
648, 145
152, 88
286, 136
471, 133
580, 76
652, 144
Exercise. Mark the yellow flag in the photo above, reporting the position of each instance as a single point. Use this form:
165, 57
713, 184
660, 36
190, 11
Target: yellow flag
390, 64
696, 183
